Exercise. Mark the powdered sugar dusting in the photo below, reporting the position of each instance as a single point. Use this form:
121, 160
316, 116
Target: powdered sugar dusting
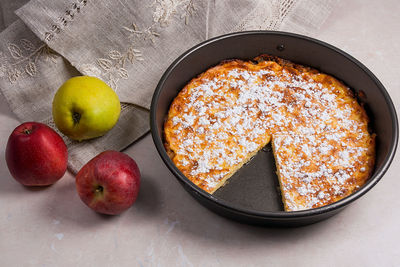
312, 170
233, 114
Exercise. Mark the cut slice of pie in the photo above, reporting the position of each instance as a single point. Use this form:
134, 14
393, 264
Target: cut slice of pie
314, 171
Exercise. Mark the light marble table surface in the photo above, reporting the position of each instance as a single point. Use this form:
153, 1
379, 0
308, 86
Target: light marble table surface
167, 227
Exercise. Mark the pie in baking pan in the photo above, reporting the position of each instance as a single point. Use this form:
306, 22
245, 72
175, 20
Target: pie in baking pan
319, 132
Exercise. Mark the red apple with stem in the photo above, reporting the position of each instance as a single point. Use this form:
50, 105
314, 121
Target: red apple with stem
109, 183
36, 155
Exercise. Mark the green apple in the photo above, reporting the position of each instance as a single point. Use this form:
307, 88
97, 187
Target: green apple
85, 107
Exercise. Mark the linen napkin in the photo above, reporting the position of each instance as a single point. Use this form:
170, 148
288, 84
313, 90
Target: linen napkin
128, 44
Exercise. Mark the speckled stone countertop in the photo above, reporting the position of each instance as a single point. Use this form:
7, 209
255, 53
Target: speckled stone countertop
167, 227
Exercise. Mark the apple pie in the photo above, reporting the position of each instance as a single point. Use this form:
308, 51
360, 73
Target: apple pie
319, 132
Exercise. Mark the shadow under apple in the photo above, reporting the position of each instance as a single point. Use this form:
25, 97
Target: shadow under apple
65, 205
148, 202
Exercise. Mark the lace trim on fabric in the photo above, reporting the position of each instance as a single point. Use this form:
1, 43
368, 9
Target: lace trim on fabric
65, 19
23, 56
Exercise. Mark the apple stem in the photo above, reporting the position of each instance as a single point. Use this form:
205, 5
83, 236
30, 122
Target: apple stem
99, 189
27, 131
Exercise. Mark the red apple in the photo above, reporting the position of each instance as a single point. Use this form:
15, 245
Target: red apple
36, 155
109, 183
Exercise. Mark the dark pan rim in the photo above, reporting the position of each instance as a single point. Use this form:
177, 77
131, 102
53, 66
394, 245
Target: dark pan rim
378, 174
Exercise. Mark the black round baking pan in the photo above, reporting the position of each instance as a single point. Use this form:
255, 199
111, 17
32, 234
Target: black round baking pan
251, 196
